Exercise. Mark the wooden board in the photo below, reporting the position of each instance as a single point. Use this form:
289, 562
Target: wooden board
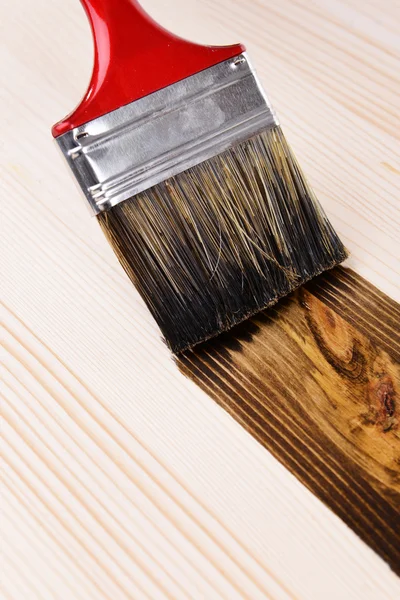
121, 477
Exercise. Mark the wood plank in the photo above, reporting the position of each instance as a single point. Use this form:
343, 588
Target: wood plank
316, 380
123, 479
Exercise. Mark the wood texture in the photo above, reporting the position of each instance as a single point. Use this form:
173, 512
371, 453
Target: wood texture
316, 380
121, 477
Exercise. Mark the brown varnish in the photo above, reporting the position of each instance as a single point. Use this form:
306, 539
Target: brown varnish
316, 380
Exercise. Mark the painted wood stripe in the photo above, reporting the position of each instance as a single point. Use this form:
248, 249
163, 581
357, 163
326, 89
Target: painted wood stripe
316, 380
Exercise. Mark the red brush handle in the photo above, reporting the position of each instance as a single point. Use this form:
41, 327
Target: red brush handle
133, 57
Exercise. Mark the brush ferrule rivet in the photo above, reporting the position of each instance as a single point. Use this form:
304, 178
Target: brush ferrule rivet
237, 61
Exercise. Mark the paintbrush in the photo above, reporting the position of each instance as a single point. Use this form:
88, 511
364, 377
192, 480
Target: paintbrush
181, 158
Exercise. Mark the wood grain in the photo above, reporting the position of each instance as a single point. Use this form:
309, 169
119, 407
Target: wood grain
316, 380
122, 479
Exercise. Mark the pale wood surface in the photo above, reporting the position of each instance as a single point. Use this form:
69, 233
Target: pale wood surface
121, 479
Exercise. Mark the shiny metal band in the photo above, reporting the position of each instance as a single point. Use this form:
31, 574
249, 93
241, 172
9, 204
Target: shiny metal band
143, 143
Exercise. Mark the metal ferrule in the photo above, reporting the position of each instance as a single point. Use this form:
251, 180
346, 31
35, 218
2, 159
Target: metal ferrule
143, 143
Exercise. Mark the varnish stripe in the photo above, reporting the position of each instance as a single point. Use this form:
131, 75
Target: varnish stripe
361, 324
326, 490
236, 411
367, 496
361, 320
363, 287
362, 327
345, 293
250, 414
354, 317
265, 411
377, 304
367, 305
259, 429
349, 293
352, 311
250, 405
345, 454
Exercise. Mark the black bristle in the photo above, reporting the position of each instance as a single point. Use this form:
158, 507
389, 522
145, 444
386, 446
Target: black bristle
221, 241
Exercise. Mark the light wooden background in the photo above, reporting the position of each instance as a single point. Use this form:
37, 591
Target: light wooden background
121, 479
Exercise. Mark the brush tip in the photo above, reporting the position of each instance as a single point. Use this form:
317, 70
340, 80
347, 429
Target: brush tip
227, 238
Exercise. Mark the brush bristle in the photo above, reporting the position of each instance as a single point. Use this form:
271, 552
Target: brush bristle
219, 242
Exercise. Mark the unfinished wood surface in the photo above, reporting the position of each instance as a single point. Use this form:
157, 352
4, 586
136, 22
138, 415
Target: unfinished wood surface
316, 379
121, 477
